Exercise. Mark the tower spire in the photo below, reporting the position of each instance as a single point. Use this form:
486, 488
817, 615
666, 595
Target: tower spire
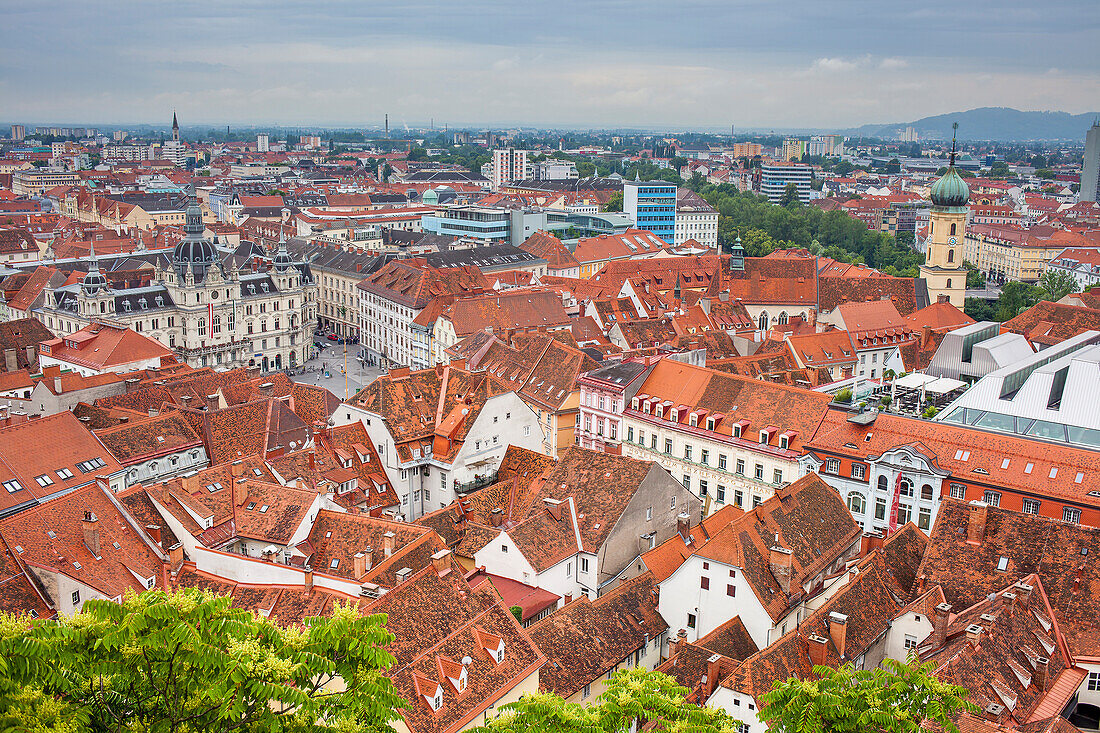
954, 132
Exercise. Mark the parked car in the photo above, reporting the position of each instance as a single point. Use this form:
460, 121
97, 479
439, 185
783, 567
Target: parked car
332, 337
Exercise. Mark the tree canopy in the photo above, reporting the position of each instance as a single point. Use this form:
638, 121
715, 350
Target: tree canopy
897, 697
189, 662
631, 696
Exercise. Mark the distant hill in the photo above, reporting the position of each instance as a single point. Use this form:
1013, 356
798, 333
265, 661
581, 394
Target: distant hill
991, 123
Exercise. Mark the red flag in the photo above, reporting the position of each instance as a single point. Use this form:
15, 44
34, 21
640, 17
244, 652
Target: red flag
896, 504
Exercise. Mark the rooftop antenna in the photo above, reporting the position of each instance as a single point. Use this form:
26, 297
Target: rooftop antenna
954, 131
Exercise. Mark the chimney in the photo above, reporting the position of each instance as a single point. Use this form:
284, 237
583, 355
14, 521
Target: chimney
32, 356
975, 527
780, 559
312, 461
153, 530
1009, 600
403, 574
236, 469
817, 649
1042, 666
714, 664
175, 556
91, 533
838, 631
57, 385
362, 563
994, 712
388, 541
974, 635
1023, 594
10, 361
496, 517
212, 401
308, 580
940, 616
676, 642
267, 389
683, 526
553, 506
441, 561
943, 299
567, 599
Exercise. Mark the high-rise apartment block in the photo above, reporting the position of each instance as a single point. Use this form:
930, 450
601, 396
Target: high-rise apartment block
652, 204
509, 164
18, 132
774, 178
1090, 173
263, 143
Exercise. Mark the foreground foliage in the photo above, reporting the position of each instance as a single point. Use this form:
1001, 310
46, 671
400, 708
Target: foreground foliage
631, 695
189, 661
894, 698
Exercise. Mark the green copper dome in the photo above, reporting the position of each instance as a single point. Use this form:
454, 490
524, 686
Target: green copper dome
951, 190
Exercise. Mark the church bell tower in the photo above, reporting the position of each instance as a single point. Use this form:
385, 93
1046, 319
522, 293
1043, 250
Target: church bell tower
943, 270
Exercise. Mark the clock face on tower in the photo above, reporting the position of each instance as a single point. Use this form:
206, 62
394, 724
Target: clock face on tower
952, 240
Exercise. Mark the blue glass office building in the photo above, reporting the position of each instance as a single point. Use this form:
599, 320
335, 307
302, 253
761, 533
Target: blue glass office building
652, 204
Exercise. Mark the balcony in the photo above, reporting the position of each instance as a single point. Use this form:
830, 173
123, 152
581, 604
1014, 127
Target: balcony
479, 481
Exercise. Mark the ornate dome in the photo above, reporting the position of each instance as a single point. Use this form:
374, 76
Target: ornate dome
282, 261
194, 250
950, 190
94, 281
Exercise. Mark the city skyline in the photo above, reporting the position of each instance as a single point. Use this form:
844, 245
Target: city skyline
600, 65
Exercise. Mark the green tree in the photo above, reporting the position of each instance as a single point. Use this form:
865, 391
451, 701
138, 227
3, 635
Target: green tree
896, 697
894, 166
974, 276
631, 696
416, 153
189, 661
1016, 297
1056, 284
980, 309
843, 168
790, 195
615, 203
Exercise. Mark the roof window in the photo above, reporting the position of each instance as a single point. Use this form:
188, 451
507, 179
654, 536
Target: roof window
263, 509
251, 506
1002, 563
1004, 463
1053, 472
1028, 467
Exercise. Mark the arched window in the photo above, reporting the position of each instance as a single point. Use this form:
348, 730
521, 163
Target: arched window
783, 317
948, 283
217, 324
762, 321
883, 484
906, 487
856, 503
950, 255
926, 492
953, 230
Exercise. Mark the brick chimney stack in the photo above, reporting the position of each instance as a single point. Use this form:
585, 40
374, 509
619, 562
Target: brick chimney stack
940, 616
816, 646
388, 541
975, 526
683, 526
153, 530
91, 533
308, 580
175, 557
838, 631
441, 561
1042, 666
781, 561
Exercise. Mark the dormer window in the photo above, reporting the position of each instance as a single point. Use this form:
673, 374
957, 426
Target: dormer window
737, 431
710, 423
784, 441
764, 437
693, 420
674, 415
634, 404
660, 412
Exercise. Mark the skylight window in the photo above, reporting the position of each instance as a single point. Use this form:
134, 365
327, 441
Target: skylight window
251, 506
263, 509
64, 473
12, 486
1002, 563
335, 563
1004, 463
1053, 472
1028, 467
43, 480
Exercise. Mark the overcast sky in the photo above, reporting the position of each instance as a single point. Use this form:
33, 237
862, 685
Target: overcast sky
604, 63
